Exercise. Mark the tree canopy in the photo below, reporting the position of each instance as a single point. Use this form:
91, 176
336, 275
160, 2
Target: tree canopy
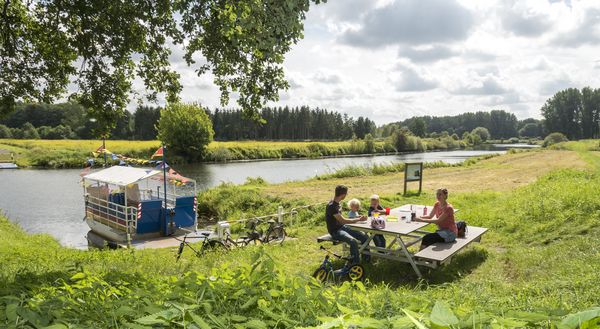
574, 113
103, 46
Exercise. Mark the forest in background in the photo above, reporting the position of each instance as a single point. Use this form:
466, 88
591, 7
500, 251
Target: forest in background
572, 112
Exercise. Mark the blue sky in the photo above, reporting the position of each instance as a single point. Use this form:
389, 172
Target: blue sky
390, 60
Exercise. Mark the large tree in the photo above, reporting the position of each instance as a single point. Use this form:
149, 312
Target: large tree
102, 46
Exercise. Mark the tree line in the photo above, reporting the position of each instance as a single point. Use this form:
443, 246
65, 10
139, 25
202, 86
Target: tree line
70, 121
298, 123
499, 123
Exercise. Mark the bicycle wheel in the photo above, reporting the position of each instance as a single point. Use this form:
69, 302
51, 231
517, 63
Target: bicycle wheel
278, 233
320, 274
356, 272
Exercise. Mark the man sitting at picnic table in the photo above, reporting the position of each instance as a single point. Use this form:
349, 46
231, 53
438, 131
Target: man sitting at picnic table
336, 224
442, 215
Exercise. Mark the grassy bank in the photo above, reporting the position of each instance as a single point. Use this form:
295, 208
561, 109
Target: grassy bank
534, 268
73, 153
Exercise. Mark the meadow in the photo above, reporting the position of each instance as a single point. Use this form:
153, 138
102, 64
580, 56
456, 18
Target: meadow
74, 153
534, 268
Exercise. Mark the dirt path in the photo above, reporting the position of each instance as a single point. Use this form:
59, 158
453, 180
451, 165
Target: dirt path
497, 174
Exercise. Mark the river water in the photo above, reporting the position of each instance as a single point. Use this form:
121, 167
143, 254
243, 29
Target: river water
50, 201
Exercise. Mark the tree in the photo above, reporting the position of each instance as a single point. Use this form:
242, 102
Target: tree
106, 45
418, 127
530, 130
554, 138
145, 120
5, 132
562, 113
482, 132
369, 144
401, 139
29, 131
185, 129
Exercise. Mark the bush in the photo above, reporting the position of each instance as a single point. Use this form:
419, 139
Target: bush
403, 141
29, 131
513, 140
186, 130
369, 144
5, 132
455, 137
554, 138
482, 132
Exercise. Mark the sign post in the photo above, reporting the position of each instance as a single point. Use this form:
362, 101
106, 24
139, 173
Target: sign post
413, 172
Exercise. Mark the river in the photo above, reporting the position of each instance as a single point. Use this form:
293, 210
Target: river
50, 201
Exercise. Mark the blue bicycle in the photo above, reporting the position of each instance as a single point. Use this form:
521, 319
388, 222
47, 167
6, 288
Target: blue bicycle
325, 272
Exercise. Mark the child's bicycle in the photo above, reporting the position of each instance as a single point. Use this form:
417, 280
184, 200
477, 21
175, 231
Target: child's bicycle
325, 272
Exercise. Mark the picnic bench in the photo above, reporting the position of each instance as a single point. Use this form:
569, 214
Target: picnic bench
407, 234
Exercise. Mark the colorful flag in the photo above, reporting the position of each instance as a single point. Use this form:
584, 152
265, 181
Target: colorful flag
158, 153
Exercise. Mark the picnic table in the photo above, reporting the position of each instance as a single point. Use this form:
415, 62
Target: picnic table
407, 234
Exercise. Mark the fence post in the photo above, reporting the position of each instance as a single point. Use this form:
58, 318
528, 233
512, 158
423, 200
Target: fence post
280, 214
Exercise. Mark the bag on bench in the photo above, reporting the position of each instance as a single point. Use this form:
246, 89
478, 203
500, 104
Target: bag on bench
461, 226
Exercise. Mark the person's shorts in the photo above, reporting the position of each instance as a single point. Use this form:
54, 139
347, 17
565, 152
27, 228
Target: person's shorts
447, 235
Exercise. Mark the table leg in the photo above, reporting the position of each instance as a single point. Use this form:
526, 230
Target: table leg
366, 244
409, 257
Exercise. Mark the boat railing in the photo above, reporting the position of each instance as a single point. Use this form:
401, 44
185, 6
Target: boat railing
112, 214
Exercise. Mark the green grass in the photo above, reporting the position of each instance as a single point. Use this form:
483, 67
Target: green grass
535, 266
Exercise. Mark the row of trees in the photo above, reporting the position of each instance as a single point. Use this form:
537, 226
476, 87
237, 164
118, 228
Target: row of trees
499, 123
574, 112
286, 123
70, 121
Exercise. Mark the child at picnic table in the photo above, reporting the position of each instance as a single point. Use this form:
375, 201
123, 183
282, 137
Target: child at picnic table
375, 207
442, 215
336, 224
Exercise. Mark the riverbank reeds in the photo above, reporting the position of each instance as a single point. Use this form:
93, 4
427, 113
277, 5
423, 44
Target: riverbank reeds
74, 153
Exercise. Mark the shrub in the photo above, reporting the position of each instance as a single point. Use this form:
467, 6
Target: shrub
455, 137
185, 129
482, 132
29, 131
513, 140
402, 140
369, 144
554, 138
5, 132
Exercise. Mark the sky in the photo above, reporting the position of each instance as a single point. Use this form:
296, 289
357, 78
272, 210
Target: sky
390, 60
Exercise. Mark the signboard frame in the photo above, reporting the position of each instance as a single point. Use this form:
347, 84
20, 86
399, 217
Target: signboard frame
413, 172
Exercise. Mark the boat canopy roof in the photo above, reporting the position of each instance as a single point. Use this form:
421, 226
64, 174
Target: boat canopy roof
123, 176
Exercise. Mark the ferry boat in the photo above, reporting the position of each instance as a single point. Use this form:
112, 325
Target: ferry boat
125, 205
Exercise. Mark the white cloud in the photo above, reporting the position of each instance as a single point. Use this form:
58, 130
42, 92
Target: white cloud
410, 78
392, 59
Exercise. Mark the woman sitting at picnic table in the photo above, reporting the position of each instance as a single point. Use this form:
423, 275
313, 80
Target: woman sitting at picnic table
442, 215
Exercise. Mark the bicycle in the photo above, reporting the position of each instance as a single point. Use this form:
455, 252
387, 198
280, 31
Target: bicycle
253, 235
276, 231
207, 243
325, 272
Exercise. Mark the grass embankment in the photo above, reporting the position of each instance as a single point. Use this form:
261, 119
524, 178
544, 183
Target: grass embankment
534, 266
74, 153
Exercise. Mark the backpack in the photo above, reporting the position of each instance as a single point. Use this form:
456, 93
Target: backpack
461, 226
